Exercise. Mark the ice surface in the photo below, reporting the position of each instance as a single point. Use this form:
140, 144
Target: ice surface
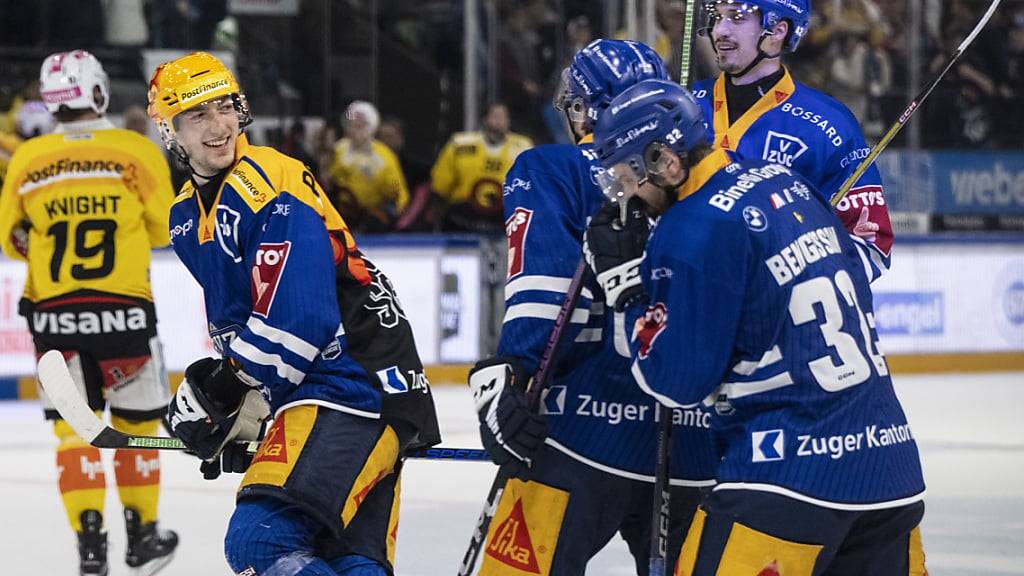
970, 430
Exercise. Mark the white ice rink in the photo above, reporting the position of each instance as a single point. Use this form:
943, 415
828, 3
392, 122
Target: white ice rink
970, 429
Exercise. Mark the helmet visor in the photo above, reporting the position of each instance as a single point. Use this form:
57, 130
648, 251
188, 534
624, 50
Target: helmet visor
567, 102
623, 179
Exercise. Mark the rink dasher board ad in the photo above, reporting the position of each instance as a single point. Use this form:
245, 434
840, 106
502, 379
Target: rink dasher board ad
438, 289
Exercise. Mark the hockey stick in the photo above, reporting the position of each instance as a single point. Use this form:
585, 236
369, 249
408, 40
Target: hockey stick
911, 108
662, 499
63, 392
533, 394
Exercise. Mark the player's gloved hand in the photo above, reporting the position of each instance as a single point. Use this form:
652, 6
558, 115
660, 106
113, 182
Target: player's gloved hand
511, 432
214, 406
234, 459
19, 238
864, 228
614, 248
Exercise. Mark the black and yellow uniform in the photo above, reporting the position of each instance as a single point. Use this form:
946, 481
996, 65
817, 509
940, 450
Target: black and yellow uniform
468, 175
369, 187
92, 200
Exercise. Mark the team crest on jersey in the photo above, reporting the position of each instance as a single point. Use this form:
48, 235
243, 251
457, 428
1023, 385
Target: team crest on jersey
783, 148
511, 543
516, 227
227, 232
271, 258
649, 327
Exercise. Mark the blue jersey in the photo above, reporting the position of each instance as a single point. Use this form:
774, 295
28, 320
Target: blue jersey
814, 134
595, 412
291, 299
761, 309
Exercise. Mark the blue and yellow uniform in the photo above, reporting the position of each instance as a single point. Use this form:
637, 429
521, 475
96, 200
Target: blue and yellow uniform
812, 133
290, 298
760, 307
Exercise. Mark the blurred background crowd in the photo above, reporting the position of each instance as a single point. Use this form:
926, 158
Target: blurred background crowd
411, 112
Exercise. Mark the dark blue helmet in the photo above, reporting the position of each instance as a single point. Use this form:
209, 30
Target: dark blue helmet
602, 70
640, 123
798, 12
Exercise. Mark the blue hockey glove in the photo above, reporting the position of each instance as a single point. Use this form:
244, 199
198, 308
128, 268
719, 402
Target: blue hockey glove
214, 406
511, 432
614, 248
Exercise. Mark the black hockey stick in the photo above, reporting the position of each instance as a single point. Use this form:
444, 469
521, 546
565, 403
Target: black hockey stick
662, 499
911, 108
537, 386
63, 393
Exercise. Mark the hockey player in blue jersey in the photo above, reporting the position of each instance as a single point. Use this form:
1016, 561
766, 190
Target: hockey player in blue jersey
756, 109
758, 305
307, 330
591, 475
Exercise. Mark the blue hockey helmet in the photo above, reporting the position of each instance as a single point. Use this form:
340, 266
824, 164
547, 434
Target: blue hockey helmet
600, 71
797, 12
639, 124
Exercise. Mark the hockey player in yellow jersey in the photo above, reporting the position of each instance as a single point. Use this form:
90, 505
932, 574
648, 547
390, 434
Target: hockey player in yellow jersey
83, 206
469, 172
368, 185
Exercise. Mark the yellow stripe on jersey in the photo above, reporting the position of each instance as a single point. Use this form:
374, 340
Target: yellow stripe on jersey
94, 203
728, 137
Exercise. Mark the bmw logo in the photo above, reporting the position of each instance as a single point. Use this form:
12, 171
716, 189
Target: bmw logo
755, 218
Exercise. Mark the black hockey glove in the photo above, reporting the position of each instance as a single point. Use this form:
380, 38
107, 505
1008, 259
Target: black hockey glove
234, 459
213, 406
614, 249
511, 432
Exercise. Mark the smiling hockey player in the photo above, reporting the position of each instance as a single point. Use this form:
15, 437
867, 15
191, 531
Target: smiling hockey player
307, 328
759, 305
756, 109
593, 476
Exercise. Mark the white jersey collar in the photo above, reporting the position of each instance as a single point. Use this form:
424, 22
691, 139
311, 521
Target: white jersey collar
85, 125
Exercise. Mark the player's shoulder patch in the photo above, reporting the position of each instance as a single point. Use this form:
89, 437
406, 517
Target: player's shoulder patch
250, 178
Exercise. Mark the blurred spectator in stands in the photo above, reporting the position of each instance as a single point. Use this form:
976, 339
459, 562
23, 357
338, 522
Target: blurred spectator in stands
961, 114
368, 187
126, 23
323, 152
187, 24
521, 80
470, 172
136, 120
294, 144
861, 75
392, 134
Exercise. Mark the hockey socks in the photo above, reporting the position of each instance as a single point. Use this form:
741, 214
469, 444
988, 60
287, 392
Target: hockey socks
138, 471
80, 475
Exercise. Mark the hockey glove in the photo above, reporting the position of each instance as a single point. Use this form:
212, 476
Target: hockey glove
614, 248
511, 432
235, 458
213, 406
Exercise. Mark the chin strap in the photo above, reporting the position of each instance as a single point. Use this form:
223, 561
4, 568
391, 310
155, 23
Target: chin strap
761, 55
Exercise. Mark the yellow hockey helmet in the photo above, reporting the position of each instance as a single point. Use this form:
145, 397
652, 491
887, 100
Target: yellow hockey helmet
187, 82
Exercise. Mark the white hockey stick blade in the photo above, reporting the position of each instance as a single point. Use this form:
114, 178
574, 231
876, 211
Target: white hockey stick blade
63, 393
74, 409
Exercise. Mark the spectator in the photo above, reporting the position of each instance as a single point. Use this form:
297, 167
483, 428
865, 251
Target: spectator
392, 134
470, 171
136, 120
521, 80
1013, 88
368, 186
126, 24
860, 76
294, 144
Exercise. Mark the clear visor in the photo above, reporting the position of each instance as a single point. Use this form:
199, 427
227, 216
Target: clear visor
717, 10
567, 102
624, 179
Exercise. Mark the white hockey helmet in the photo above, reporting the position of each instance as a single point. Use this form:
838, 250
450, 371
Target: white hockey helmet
70, 78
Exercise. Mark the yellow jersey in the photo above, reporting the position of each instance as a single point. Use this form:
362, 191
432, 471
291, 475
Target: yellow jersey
94, 199
470, 172
371, 182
